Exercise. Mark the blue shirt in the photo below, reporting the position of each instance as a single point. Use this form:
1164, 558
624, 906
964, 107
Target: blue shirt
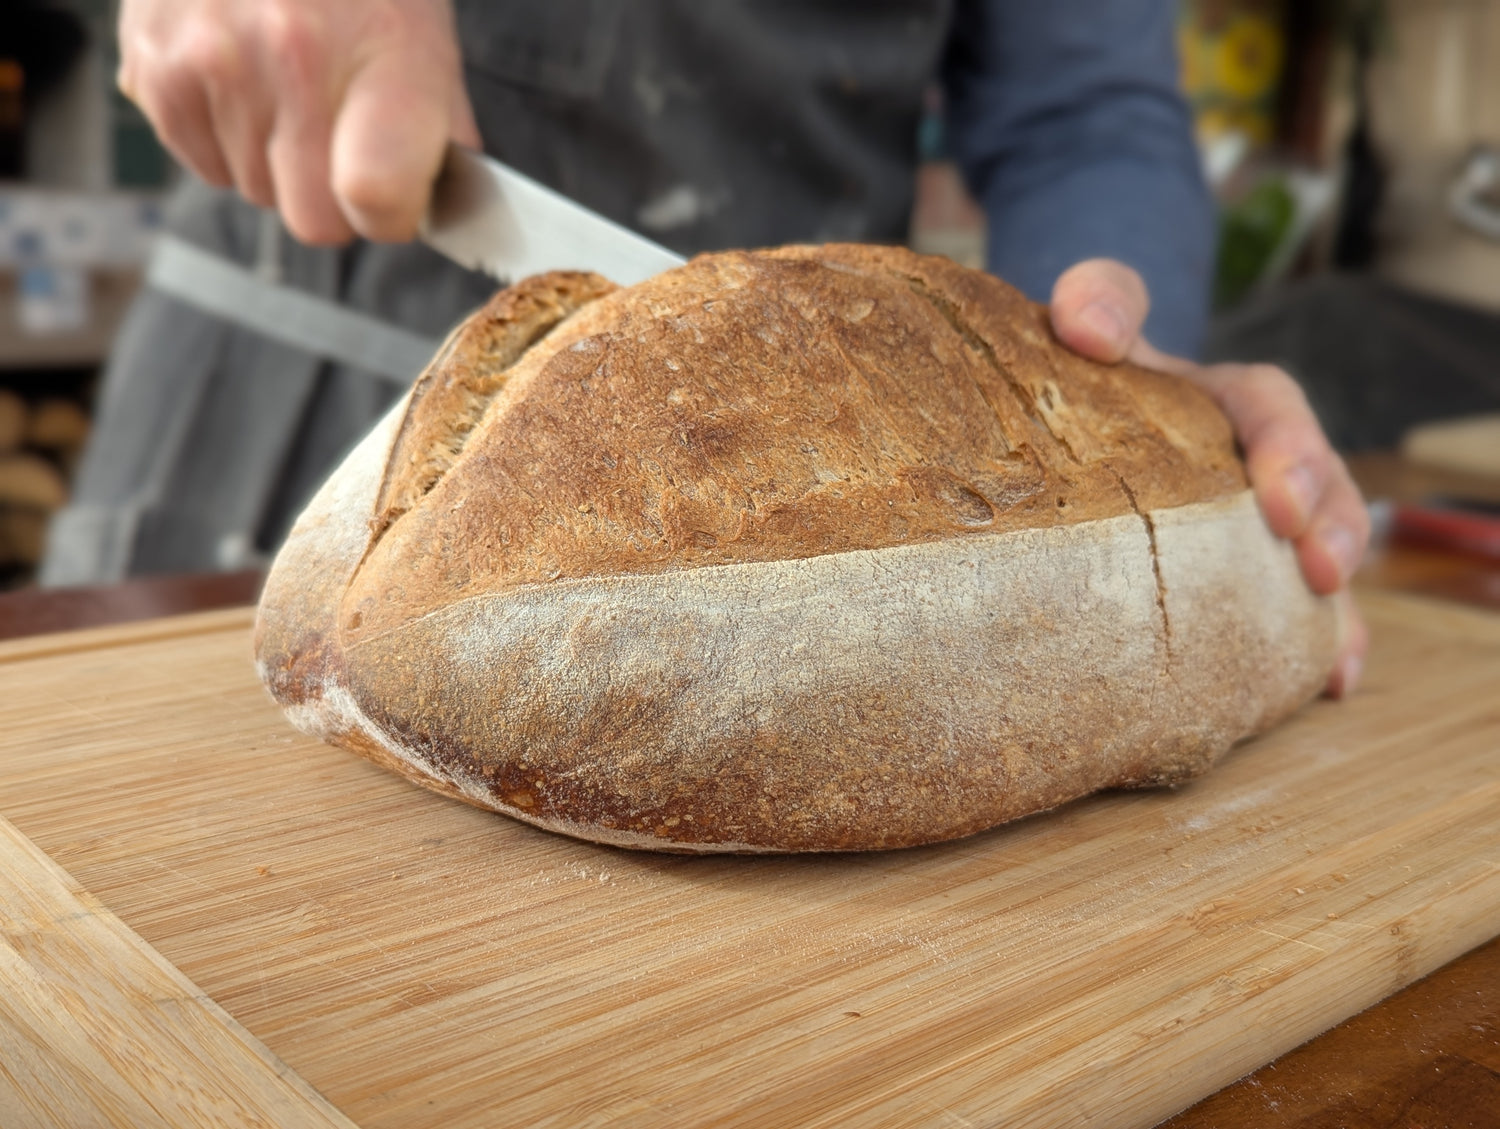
1067, 120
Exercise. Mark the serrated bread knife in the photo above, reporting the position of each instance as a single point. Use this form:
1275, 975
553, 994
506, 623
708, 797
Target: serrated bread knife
488, 217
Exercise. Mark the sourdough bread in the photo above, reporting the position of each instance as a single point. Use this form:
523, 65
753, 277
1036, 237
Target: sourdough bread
819, 548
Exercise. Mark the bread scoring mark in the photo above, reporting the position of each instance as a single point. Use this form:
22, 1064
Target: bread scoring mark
951, 313
1161, 587
474, 364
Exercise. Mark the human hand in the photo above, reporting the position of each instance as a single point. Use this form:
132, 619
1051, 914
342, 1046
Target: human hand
1303, 488
334, 112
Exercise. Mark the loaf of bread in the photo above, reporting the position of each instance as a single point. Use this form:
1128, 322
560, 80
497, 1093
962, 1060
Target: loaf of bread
31, 482
58, 425
12, 420
819, 548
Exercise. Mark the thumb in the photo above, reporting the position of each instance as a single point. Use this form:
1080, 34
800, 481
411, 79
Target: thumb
1098, 307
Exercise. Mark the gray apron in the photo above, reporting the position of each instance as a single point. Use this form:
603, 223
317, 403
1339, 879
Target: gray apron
703, 125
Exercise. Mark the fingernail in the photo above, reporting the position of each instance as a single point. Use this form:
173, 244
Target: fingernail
1342, 547
1105, 322
1303, 489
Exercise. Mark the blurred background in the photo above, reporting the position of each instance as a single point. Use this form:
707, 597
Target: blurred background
1353, 146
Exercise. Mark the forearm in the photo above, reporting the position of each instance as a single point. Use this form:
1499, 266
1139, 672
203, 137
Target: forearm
1114, 208
1068, 124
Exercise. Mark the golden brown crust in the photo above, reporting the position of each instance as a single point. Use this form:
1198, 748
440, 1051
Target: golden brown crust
773, 406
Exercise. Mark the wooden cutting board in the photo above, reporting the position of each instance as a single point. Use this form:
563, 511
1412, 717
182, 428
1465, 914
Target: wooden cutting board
417, 962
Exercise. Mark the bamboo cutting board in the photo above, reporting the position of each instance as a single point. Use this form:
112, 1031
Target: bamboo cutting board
418, 962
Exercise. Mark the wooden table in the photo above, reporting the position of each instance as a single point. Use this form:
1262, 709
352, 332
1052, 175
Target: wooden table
1429, 1055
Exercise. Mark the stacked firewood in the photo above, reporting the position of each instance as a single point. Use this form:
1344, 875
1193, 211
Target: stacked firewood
40, 442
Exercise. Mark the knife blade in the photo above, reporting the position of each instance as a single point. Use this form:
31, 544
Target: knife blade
486, 216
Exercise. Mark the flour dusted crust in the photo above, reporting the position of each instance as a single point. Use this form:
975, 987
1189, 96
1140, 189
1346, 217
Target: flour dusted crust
820, 548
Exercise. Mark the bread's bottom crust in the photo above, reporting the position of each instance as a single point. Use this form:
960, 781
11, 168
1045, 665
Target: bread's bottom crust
857, 700
337, 718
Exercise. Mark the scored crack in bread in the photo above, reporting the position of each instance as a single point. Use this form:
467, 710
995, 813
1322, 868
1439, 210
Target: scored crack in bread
806, 549
473, 364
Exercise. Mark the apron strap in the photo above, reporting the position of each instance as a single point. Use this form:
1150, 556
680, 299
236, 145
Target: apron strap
291, 316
